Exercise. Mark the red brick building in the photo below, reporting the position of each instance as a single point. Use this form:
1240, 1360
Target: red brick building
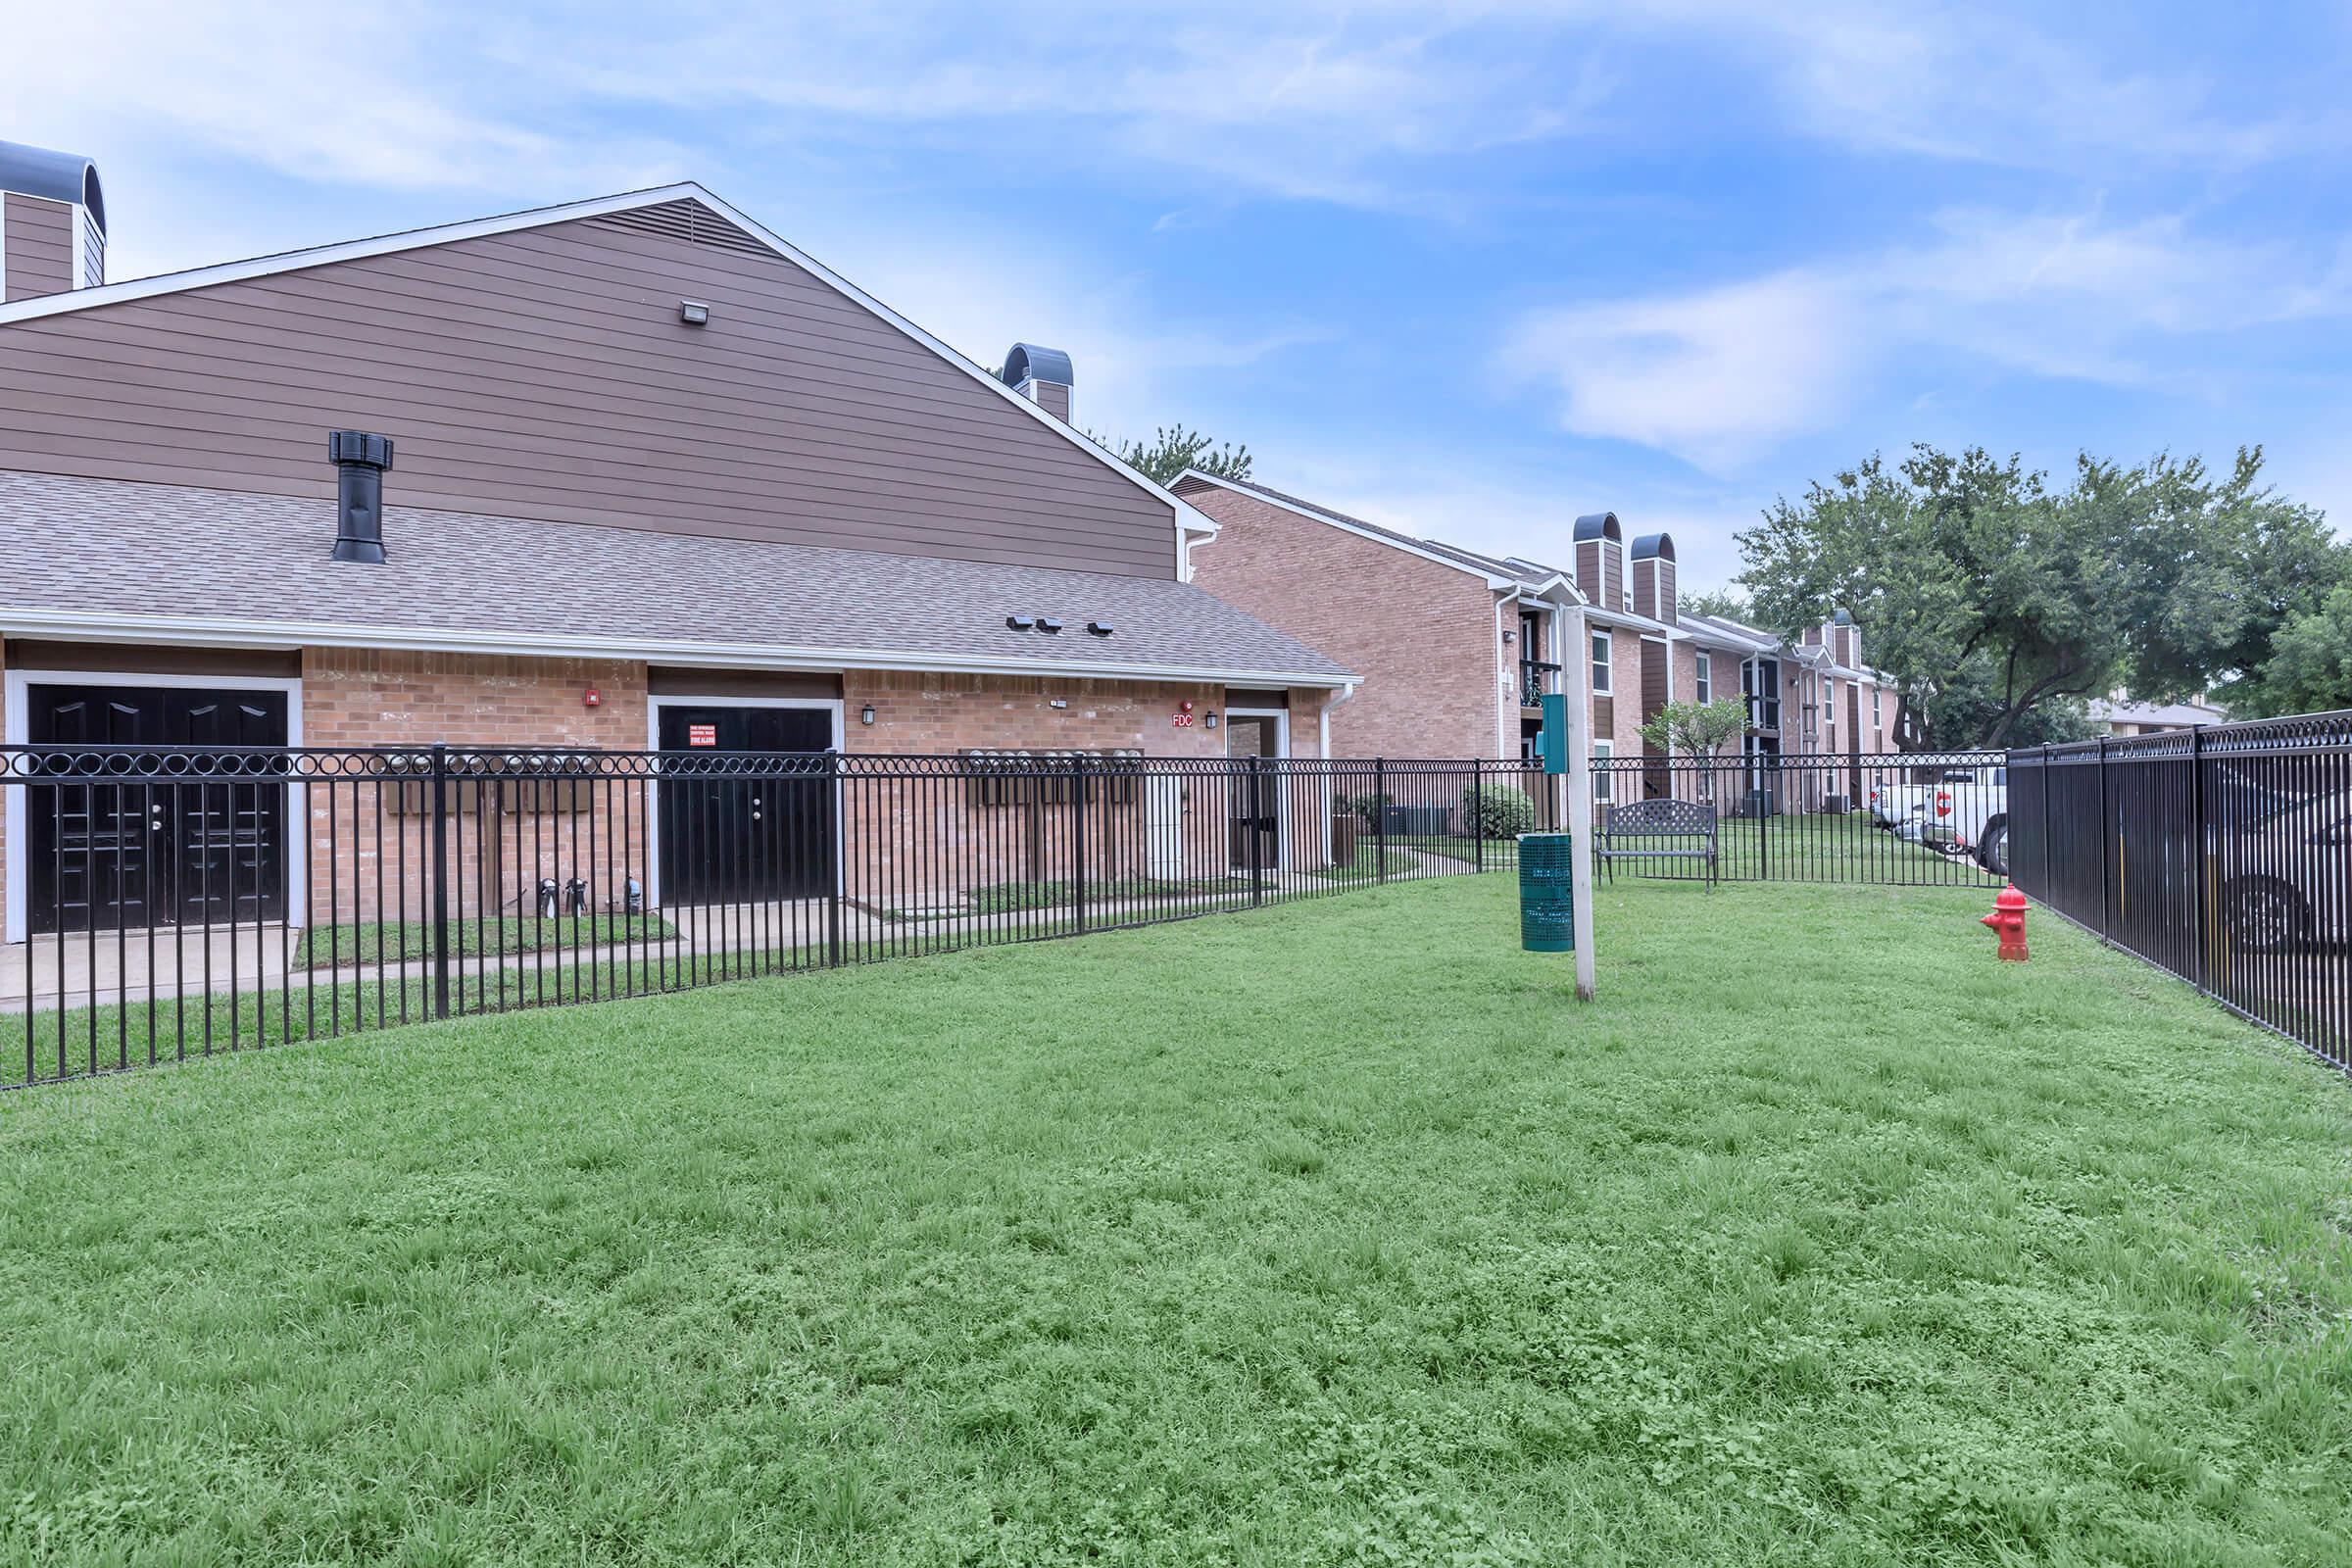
1453, 646
631, 473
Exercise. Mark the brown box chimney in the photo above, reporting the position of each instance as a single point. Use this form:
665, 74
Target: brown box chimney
1654, 576
52, 222
1600, 560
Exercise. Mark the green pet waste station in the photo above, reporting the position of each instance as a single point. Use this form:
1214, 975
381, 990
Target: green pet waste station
1546, 896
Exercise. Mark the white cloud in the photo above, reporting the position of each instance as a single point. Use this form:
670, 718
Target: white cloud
1386, 104
379, 98
1134, 360
1721, 375
1717, 377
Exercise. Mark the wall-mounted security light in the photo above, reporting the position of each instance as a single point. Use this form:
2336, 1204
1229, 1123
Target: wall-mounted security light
1048, 624
694, 312
1101, 628
865, 714
1019, 623
1057, 702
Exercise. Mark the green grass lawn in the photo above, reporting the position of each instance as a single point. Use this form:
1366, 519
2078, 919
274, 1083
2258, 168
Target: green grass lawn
1331, 1234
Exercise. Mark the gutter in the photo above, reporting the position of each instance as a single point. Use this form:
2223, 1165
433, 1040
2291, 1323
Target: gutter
218, 632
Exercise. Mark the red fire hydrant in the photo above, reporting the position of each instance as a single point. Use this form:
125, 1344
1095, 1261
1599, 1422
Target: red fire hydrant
2008, 917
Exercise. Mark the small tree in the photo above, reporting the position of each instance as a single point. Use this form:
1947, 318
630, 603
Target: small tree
1697, 730
1174, 449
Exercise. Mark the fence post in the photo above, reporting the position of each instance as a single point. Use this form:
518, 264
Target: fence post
1478, 816
440, 877
2106, 875
1380, 818
2049, 861
1078, 838
2196, 849
839, 836
1257, 831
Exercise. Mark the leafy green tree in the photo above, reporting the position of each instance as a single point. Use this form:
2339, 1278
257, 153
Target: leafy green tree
1998, 604
1173, 449
1696, 729
2309, 667
1722, 601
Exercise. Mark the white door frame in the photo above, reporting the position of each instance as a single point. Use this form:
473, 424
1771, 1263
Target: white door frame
1282, 752
653, 744
16, 696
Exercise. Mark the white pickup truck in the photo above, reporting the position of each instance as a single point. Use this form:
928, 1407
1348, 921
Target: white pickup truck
1963, 810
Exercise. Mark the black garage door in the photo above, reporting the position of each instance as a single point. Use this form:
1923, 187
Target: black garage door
727, 838
161, 850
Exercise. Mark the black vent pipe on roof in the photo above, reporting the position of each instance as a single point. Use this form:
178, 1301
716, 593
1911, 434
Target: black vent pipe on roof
360, 461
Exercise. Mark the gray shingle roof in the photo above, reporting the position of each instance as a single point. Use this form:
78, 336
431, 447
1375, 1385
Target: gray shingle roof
106, 548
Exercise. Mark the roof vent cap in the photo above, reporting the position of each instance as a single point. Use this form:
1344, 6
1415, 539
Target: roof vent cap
360, 461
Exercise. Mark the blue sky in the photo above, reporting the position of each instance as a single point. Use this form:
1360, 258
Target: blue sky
1465, 268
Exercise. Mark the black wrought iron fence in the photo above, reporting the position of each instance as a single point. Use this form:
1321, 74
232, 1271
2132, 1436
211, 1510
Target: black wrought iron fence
165, 902
1894, 818
2219, 853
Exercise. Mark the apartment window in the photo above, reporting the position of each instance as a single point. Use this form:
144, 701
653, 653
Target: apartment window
1603, 782
1600, 663
1875, 721
1706, 678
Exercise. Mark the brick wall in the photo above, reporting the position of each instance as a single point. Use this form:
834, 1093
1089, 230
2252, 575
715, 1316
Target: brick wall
377, 697
368, 843
1617, 718
917, 840
1723, 678
1423, 635
368, 864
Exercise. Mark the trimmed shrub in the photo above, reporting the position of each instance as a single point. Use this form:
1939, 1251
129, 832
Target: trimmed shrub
1497, 810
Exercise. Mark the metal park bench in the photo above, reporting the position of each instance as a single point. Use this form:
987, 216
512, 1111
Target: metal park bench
1660, 830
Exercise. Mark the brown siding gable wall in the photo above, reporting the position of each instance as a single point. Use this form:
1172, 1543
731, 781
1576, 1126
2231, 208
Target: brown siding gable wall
544, 372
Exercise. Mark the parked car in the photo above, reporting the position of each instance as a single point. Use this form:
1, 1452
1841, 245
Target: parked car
1964, 810
2287, 884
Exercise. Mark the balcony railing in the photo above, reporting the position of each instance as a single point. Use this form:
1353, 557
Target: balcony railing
1763, 712
1535, 678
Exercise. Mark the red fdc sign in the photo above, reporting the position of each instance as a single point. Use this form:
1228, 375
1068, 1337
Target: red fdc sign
702, 734
1181, 720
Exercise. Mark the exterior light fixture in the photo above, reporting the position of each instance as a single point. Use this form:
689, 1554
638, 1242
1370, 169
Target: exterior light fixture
1210, 721
1019, 623
865, 714
694, 312
1057, 702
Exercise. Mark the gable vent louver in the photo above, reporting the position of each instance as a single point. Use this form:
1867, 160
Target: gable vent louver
688, 220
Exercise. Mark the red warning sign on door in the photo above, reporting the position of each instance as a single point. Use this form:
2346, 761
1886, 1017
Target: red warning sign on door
702, 734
